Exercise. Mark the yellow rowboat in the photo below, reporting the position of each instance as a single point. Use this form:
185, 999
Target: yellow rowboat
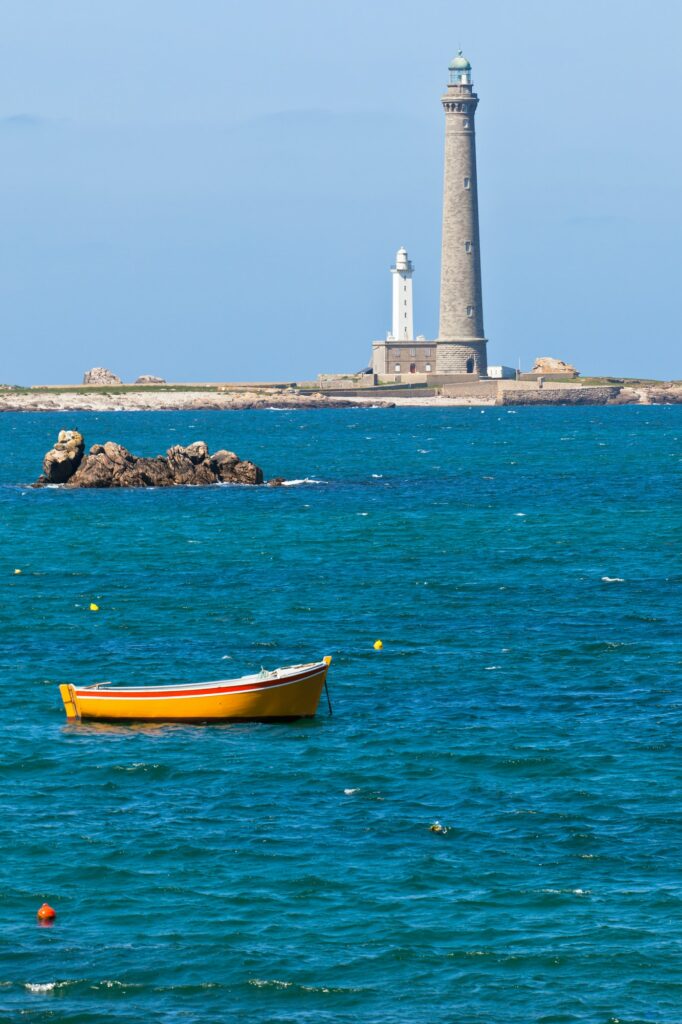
285, 694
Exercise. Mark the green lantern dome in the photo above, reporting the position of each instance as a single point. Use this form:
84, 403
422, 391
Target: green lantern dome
459, 63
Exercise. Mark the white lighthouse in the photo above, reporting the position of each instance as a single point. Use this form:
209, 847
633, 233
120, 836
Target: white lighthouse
403, 316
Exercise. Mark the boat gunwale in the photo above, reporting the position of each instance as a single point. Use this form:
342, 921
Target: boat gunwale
241, 684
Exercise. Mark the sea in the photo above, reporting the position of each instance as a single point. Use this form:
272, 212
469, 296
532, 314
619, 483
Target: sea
522, 568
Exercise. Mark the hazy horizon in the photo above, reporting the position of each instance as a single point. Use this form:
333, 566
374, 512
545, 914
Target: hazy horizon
217, 193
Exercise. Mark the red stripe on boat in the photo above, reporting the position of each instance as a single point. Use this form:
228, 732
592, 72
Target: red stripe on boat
259, 684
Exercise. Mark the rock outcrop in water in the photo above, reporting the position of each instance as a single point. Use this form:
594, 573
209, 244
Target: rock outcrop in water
112, 465
62, 461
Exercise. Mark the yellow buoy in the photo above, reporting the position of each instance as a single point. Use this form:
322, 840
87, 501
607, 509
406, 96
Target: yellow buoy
378, 645
17, 572
94, 607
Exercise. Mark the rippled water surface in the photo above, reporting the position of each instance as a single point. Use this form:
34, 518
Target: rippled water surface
522, 568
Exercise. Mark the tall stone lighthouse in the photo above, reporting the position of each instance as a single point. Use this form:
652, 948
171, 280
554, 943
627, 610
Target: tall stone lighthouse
461, 343
460, 347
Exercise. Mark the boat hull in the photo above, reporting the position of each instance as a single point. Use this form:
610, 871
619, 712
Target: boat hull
282, 696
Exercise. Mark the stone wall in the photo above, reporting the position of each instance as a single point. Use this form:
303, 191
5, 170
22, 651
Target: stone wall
454, 357
331, 381
486, 391
558, 395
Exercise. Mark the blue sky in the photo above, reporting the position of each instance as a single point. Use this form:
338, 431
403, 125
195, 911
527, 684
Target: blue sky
215, 190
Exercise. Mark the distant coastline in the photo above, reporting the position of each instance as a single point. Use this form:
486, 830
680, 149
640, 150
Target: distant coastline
168, 397
159, 399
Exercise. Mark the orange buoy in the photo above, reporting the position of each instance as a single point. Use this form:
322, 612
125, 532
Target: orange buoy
46, 913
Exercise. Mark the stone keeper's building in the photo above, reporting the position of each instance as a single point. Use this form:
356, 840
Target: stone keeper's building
460, 348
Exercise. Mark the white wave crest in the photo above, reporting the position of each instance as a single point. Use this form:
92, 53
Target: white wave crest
299, 483
269, 983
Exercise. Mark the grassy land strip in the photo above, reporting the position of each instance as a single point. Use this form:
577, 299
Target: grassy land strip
627, 382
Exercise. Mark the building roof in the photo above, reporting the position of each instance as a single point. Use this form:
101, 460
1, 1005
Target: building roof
459, 63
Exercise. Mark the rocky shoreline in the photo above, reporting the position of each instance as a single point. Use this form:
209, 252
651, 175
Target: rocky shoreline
164, 401
486, 394
659, 394
112, 465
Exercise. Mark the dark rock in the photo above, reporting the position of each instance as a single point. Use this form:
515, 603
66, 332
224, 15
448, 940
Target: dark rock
112, 465
62, 461
229, 469
247, 473
190, 465
223, 463
277, 481
101, 466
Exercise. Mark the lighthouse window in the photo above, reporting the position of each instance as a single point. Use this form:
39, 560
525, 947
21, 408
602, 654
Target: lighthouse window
427, 352
467, 182
413, 352
465, 108
470, 310
466, 122
467, 246
397, 368
428, 367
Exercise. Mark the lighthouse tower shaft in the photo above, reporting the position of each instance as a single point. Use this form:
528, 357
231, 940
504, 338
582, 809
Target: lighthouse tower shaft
403, 318
461, 339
